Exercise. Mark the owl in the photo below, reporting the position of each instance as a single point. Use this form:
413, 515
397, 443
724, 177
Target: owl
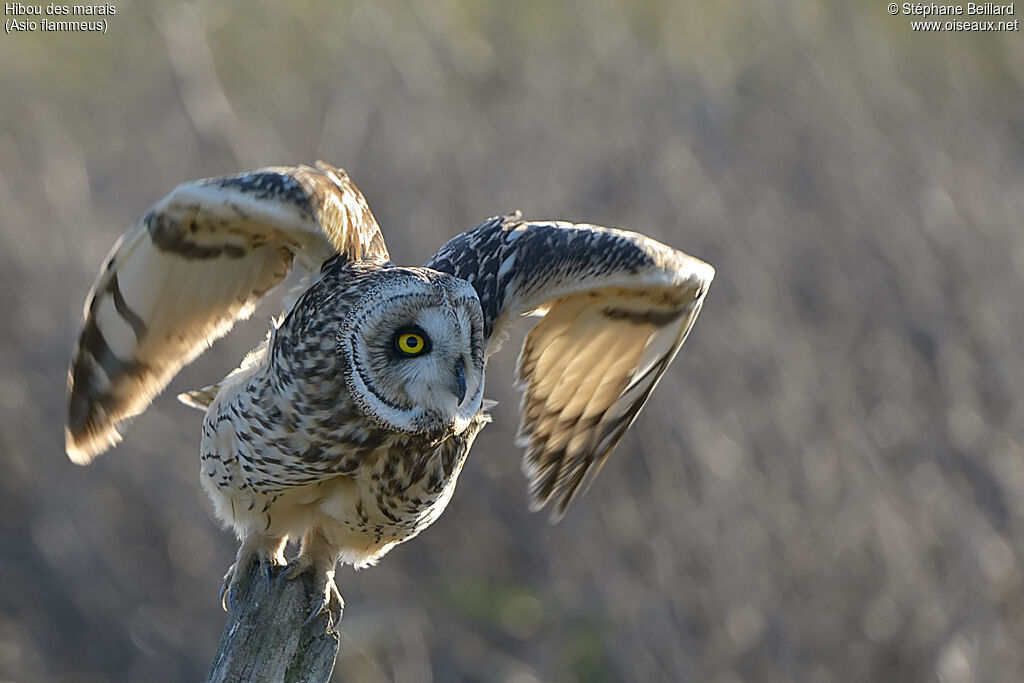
346, 428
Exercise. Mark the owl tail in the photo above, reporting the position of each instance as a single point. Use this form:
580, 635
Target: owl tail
200, 399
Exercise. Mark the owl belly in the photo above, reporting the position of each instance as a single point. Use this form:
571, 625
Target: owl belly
395, 494
361, 515
362, 501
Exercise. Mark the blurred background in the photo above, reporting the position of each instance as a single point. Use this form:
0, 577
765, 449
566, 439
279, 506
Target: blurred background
827, 486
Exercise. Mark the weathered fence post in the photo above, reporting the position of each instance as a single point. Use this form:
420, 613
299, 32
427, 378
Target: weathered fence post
266, 637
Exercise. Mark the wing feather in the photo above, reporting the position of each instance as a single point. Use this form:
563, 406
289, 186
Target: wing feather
616, 307
550, 345
608, 370
197, 261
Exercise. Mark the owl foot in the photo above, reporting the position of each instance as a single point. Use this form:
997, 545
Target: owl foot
326, 597
329, 602
267, 552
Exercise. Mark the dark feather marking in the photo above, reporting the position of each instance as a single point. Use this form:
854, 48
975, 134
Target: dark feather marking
270, 185
133, 319
85, 401
384, 509
544, 253
167, 234
656, 318
95, 344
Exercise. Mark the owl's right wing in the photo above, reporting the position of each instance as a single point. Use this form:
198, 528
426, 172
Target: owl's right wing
616, 307
196, 262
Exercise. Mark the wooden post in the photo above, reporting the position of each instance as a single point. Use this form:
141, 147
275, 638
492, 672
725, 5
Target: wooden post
266, 637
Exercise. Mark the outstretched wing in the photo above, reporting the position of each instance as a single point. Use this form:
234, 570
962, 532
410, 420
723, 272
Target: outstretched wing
617, 306
196, 262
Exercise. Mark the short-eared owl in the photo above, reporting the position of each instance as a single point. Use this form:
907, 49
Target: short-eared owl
348, 426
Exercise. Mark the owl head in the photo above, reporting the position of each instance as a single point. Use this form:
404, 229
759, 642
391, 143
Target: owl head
413, 347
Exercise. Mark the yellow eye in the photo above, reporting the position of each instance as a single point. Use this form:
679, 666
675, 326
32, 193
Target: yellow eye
411, 344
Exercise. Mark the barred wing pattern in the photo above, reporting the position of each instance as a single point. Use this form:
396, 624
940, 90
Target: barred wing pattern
196, 262
617, 306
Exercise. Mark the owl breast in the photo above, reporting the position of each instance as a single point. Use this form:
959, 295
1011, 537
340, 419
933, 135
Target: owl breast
280, 467
395, 493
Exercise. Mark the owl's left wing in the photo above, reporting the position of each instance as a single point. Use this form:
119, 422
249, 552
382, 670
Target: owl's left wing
617, 306
197, 261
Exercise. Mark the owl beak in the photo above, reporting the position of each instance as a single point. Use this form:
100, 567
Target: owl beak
459, 381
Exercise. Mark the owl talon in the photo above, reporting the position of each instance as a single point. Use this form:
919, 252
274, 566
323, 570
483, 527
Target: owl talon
233, 589
267, 557
268, 572
288, 572
329, 600
230, 587
224, 591
291, 571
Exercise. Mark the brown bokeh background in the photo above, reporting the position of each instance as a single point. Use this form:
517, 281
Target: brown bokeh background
827, 486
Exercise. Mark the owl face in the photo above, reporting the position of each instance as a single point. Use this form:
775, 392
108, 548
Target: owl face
414, 351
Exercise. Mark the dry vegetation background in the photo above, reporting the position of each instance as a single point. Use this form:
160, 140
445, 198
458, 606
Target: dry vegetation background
828, 485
